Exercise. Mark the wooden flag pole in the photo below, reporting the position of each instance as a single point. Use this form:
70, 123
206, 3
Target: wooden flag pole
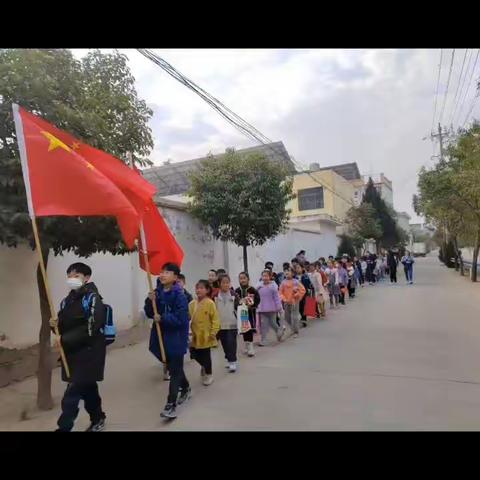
26, 180
143, 251
53, 313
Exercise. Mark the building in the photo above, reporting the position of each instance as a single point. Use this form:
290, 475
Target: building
322, 198
403, 221
172, 178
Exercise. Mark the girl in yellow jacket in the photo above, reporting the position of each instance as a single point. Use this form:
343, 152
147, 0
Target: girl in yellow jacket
205, 325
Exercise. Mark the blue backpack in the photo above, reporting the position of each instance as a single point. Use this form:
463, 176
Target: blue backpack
109, 330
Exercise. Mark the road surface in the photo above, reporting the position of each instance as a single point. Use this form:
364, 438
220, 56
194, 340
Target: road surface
397, 357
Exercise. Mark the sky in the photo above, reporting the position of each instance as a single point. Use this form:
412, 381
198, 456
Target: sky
373, 107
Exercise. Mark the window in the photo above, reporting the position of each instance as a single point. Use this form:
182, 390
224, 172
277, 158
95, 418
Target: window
310, 198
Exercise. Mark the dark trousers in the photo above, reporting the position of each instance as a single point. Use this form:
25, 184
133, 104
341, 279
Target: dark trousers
248, 336
301, 307
342, 295
88, 392
393, 275
229, 344
178, 380
203, 357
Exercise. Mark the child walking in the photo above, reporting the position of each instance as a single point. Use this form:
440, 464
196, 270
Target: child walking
270, 305
205, 325
291, 293
225, 303
247, 295
333, 284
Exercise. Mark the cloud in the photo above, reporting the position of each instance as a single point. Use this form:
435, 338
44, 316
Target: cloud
328, 106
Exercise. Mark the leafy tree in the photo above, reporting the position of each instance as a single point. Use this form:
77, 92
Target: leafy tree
362, 224
95, 100
346, 246
242, 198
450, 197
385, 216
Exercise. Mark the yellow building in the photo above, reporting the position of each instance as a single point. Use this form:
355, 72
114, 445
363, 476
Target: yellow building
322, 198
321, 194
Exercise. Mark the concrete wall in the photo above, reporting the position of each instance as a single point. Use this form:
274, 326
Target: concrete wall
124, 285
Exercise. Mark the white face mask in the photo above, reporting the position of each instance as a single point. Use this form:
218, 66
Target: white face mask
74, 283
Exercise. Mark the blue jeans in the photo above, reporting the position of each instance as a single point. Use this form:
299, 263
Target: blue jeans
409, 273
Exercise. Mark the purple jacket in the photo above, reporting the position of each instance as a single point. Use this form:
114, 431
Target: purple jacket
269, 298
342, 276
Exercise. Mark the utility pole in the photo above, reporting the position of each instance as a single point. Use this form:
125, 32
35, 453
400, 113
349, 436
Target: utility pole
440, 140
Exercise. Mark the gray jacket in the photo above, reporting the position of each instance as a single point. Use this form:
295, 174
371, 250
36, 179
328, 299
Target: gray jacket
225, 303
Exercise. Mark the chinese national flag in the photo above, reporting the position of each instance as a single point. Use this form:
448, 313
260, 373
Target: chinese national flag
60, 181
162, 247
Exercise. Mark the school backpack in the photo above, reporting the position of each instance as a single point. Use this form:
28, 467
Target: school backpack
109, 329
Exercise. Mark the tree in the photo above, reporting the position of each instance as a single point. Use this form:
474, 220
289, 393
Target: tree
362, 224
450, 197
346, 246
95, 100
242, 198
385, 216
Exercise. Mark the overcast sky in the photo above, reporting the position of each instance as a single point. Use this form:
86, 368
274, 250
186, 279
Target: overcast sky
372, 107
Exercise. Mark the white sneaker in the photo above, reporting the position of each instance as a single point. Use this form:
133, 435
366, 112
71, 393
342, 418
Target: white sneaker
232, 367
208, 380
295, 335
250, 350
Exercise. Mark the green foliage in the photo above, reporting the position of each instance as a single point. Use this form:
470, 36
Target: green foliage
449, 193
95, 100
362, 223
385, 216
242, 198
346, 246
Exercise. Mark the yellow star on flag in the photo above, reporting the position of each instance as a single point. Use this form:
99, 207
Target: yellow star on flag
55, 142
89, 165
75, 145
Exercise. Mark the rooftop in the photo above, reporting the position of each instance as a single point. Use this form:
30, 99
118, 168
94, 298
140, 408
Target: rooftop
172, 178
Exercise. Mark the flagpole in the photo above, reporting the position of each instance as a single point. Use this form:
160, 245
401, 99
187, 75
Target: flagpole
144, 252
26, 178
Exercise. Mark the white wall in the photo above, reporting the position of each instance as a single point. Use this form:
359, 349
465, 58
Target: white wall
122, 283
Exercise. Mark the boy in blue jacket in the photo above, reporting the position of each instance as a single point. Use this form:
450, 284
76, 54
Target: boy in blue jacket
172, 309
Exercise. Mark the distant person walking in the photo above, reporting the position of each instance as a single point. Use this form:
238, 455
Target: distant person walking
392, 266
408, 262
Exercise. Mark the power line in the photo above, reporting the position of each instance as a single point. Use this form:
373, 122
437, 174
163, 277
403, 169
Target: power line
468, 87
436, 93
238, 122
463, 84
448, 83
455, 102
475, 95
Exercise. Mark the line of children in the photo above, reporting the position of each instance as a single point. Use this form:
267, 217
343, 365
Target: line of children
83, 337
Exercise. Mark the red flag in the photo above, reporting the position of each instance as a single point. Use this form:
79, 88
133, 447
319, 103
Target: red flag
59, 181
138, 190
162, 247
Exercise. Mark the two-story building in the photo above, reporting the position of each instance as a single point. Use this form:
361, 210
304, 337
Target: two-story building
323, 197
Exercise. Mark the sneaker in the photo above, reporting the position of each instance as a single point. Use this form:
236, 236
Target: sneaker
232, 367
166, 376
295, 335
97, 426
251, 350
184, 396
208, 380
169, 411
261, 343
304, 323
227, 365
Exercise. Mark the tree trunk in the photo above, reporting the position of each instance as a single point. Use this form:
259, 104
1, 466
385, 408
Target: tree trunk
457, 256
245, 258
475, 258
44, 374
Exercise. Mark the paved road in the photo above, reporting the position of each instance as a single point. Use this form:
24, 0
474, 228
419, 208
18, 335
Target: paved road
395, 358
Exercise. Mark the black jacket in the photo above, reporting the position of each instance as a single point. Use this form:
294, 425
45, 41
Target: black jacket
82, 336
242, 292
